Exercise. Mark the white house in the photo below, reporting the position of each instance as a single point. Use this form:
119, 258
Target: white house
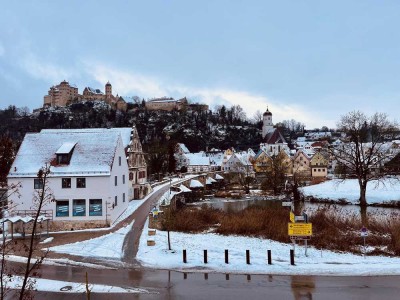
88, 175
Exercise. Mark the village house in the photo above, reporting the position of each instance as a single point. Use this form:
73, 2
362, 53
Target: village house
319, 165
90, 177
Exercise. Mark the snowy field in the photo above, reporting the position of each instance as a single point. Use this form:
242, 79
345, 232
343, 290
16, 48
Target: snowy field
349, 190
316, 263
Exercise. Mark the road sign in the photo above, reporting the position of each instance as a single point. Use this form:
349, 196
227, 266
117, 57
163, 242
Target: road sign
291, 217
287, 203
302, 229
364, 232
299, 218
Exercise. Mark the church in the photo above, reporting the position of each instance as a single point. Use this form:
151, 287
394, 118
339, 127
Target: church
273, 140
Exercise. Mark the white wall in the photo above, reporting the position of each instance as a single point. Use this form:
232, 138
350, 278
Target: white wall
97, 187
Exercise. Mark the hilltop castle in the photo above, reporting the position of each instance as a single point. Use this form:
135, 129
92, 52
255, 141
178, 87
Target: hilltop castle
64, 94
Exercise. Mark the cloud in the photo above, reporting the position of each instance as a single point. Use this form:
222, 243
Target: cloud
40, 69
129, 83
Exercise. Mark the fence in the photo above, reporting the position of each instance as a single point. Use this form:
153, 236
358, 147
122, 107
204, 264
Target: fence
247, 256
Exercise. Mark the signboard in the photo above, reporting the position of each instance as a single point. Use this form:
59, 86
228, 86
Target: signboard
299, 218
364, 232
302, 229
287, 203
291, 217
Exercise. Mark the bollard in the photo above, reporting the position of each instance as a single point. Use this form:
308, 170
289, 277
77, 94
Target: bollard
226, 276
205, 276
226, 256
185, 276
292, 257
205, 256
269, 257
184, 256
248, 277
248, 257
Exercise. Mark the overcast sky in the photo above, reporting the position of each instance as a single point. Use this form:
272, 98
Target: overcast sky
312, 61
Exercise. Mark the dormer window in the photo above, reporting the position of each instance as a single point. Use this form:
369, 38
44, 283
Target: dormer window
64, 153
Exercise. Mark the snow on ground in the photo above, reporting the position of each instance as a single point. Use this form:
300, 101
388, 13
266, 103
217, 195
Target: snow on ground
56, 262
350, 191
106, 246
316, 263
48, 285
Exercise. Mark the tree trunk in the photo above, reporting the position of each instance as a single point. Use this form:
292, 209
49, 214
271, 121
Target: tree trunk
364, 216
363, 198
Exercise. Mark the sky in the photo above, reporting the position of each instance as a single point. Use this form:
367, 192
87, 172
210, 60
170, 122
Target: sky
312, 61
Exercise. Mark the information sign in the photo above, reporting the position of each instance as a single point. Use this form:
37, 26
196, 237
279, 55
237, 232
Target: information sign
301, 229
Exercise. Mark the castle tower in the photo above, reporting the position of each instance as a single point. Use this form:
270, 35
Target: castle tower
267, 123
108, 89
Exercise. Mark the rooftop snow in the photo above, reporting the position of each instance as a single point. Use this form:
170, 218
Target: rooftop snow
195, 183
125, 132
198, 160
93, 154
66, 148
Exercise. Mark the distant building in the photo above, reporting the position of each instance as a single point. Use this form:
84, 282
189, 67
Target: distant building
166, 104
64, 94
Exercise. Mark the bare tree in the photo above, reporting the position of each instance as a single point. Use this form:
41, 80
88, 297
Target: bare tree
275, 171
6, 245
363, 155
41, 197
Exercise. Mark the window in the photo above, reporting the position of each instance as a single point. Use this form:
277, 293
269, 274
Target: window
119, 160
116, 201
95, 207
79, 207
116, 180
123, 179
81, 182
130, 176
62, 208
66, 183
123, 197
38, 183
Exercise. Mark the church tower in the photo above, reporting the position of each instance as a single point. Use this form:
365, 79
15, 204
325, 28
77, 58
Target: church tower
108, 92
267, 123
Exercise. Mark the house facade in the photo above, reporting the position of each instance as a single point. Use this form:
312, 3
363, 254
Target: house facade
88, 176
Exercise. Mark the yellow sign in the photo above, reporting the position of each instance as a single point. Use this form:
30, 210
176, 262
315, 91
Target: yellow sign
291, 216
303, 229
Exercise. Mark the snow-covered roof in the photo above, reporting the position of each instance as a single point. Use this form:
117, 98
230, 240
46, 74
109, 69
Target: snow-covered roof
66, 148
125, 132
219, 177
184, 148
196, 159
195, 183
93, 153
210, 180
25, 219
184, 189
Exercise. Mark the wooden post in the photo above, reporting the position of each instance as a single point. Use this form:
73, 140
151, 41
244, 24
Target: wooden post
205, 256
292, 257
226, 256
226, 276
184, 256
205, 276
184, 275
248, 277
269, 257
248, 257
